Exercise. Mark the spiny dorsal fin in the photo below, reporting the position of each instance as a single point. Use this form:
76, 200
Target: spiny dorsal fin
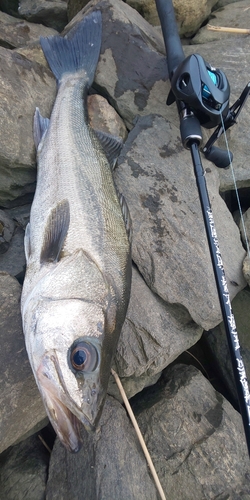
40, 127
126, 216
111, 145
55, 233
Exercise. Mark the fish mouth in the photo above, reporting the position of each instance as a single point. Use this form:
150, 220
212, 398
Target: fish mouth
61, 408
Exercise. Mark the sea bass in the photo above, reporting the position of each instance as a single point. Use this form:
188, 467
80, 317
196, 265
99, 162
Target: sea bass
77, 284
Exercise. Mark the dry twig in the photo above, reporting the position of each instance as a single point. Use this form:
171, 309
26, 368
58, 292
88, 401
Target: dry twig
139, 435
243, 31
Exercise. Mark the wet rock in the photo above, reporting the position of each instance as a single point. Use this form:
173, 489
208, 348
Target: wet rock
169, 243
195, 438
7, 227
20, 402
153, 336
234, 15
109, 465
217, 342
23, 471
23, 85
17, 32
49, 13
103, 117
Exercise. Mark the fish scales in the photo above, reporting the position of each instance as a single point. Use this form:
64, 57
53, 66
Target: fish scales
77, 284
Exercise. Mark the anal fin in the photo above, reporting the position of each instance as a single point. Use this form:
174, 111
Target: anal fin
55, 233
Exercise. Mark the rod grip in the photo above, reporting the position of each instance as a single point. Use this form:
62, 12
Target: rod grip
175, 54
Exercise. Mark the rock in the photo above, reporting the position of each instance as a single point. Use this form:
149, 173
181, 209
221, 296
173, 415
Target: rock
10, 7
13, 261
132, 70
232, 56
110, 464
20, 215
17, 32
169, 244
24, 85
49, 13
6, 231
74, 6
189, 16
245, 228
217, 342
20, 402
246, 269
195, 438
153, 336
23, 471
103, 117
231, 16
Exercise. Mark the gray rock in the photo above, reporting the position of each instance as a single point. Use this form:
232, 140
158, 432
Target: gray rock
132, 70
49, 13
24, 85
169, 244
13, 261
7, 227
246, 269
195, 438
110, 464
217, 342
16, 32
235, 15
20, 402
153, 336
245, 228
23, 471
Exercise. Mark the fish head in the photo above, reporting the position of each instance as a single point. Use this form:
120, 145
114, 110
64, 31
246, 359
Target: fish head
70, 353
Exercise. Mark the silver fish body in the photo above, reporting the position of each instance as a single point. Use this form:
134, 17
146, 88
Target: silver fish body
77, 283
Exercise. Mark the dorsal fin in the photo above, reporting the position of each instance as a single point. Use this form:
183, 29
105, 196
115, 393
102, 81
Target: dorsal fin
111, 145
40, 127
126, 216
55, 232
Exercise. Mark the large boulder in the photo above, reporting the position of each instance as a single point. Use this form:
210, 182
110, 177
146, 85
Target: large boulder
169, 243
153, 336
195, 438
110, 464
20, 402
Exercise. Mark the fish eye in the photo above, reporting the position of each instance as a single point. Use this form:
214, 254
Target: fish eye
84, 357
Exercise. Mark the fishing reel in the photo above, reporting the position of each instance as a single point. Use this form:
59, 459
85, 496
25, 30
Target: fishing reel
202, 95
204, 89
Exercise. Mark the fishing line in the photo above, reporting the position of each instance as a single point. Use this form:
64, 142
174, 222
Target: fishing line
235, 186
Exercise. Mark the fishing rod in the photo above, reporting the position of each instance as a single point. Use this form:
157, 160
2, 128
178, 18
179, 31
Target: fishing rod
201, 93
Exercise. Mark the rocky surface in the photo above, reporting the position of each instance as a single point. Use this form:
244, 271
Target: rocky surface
217, 342
194, 434
24, 470
235, 15
172, 223
21, 405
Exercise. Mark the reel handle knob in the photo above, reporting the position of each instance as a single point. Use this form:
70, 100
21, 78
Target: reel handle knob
220, 157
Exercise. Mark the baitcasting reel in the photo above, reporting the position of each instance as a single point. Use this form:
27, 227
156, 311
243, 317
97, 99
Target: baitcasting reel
202, 94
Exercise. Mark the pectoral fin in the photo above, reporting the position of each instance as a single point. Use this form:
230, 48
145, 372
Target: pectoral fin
55, 232
111, 145
40, 127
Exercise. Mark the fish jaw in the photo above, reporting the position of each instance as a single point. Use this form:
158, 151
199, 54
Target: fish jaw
67, 413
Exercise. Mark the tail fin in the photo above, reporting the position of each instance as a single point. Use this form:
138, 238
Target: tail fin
76, 51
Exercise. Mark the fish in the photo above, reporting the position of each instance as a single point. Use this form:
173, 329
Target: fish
77, 245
